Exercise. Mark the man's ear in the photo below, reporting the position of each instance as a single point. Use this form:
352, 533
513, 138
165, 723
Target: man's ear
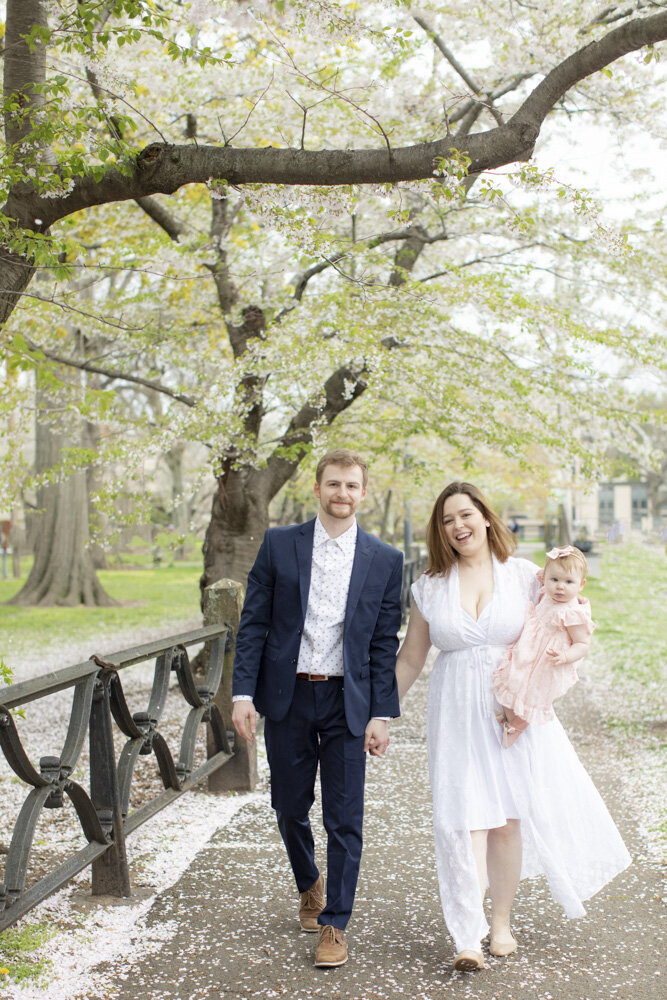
316, 489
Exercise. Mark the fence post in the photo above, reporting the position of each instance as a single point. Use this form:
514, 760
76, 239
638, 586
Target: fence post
222, 603
110, 874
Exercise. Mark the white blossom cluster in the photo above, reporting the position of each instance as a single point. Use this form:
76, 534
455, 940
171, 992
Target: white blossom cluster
201, 10
105, 68
303, 215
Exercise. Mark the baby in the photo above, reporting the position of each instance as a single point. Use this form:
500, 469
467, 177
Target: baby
540, 666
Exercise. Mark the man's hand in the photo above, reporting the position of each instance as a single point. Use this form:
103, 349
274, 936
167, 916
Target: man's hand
244, 720
376, 739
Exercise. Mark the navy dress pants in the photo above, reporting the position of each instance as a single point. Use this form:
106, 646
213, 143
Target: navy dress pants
313, 732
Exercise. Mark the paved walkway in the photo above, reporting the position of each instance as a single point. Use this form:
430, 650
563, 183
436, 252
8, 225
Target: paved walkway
233, 912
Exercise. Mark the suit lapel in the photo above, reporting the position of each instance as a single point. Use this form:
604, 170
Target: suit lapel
304, 557
363, 557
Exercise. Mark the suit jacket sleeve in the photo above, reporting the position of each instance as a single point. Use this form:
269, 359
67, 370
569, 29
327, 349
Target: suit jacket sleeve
384, 647
255, 622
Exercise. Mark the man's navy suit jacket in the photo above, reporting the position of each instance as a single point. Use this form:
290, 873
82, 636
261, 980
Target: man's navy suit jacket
267, 647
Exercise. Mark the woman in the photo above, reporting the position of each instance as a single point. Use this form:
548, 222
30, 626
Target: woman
498, 814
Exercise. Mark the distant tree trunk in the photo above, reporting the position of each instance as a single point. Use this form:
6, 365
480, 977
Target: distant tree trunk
15, 540
63, 571
96, 519
384, 524
655, 482
174, 459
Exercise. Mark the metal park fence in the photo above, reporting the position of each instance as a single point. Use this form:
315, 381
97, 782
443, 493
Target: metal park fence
413, 566
101, 716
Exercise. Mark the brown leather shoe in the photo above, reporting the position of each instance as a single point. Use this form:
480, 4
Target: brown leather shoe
331, 947
312, 904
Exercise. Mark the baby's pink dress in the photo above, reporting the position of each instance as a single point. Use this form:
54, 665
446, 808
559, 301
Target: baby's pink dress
527, 681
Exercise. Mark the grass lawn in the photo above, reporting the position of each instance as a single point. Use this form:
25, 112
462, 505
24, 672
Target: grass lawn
628, 601
629, 646
148, 598
628, 665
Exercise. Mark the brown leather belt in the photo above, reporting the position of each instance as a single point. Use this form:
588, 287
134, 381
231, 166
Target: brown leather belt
319, 677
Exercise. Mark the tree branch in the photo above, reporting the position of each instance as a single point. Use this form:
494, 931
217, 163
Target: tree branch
616, 12
164, 168
348, 382
502, 88
171, 225
411, 233
630, 37
88, 366
472, 108
480, 260
449, 56
339, 392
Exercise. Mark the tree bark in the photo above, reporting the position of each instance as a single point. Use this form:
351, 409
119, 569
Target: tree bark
239, 518
25, 66
24, 73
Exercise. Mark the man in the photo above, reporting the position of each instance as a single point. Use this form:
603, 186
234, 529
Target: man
316, 654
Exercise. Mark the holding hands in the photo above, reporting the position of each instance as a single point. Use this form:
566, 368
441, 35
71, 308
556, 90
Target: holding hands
376, 739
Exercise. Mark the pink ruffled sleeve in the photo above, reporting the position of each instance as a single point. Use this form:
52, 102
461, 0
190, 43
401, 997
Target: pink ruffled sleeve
578, 614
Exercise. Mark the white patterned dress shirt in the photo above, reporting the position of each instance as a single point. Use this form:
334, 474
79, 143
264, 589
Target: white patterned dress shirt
321, 650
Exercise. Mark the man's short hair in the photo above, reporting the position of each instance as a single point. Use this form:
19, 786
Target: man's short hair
344, 457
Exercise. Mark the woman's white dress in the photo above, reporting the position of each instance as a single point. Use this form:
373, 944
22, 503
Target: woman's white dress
567, 832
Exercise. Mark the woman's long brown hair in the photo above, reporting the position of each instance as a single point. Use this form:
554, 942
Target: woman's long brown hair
441, 556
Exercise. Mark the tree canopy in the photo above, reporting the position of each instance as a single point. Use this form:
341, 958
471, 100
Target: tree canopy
243, 218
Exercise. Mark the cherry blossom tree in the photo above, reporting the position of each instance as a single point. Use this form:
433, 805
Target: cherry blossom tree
341, 192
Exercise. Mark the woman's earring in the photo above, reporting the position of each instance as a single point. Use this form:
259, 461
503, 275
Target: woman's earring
487, 523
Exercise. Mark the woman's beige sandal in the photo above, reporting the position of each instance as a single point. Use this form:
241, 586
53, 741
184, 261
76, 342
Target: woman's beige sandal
502, 948
469, 961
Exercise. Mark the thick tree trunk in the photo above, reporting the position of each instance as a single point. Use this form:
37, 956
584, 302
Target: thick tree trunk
63, 571
25, 66
16, 274
239, 518
24, 74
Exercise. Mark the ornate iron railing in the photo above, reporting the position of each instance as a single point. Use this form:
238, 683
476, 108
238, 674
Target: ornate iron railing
104, 809
413, 566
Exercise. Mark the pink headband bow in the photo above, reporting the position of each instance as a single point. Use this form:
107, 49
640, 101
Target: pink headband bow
568, 550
